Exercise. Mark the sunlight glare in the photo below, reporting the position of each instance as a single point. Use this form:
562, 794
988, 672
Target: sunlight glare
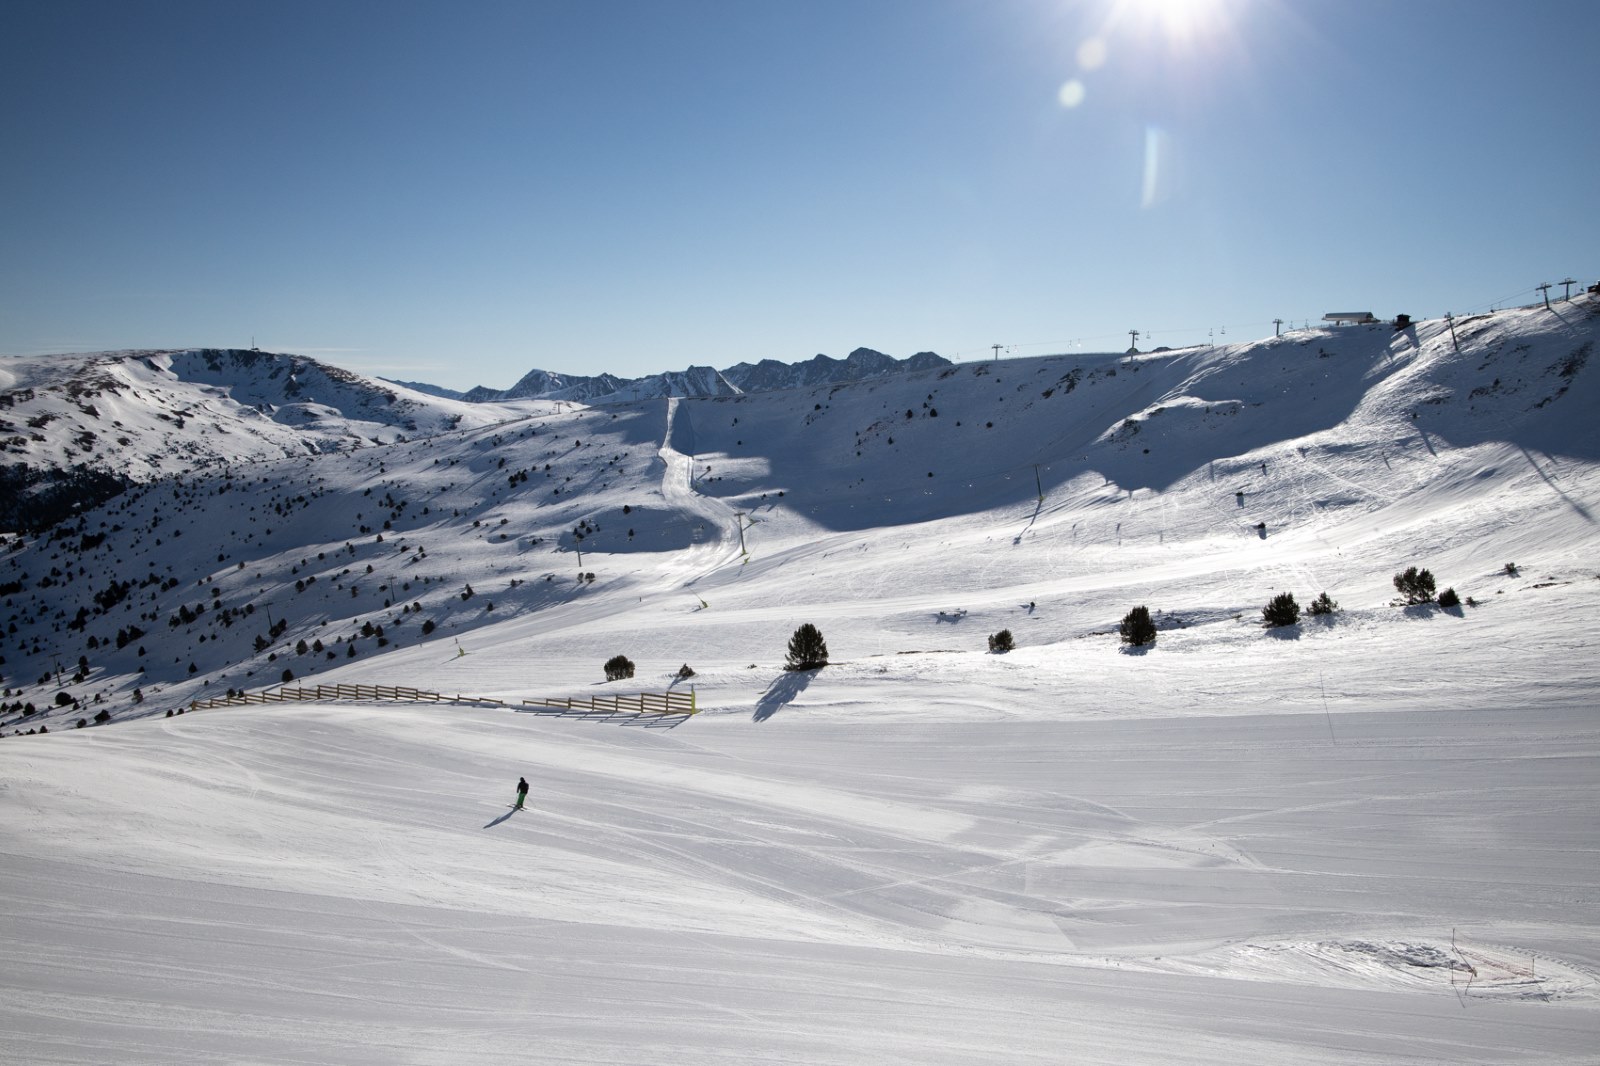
1071, 94
1179, 20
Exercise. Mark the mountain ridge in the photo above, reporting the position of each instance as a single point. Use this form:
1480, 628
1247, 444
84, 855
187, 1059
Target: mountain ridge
764, 376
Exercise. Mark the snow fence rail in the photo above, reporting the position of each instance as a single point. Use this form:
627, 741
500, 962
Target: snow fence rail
667, 704
673, 703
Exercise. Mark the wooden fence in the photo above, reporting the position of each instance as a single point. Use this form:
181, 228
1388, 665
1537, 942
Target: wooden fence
642, 703
679, 704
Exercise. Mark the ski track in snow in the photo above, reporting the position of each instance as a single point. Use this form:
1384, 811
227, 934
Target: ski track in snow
1367, 839
320, 883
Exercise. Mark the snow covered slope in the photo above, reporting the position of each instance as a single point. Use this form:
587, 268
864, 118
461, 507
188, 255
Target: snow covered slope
347, 884
1238, 845
139, 415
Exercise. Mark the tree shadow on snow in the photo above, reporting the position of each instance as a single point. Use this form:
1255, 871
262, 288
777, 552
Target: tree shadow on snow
781, 692
1135, 649
1284, 632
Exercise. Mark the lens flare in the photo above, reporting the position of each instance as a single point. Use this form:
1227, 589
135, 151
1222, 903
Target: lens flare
1158, 175
1071, 94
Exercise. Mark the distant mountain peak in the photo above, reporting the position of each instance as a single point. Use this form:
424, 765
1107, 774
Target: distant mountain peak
766, 376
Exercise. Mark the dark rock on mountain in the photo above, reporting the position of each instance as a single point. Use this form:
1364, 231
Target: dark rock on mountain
766, 376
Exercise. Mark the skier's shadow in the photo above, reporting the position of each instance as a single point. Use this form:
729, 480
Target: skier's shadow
500, 819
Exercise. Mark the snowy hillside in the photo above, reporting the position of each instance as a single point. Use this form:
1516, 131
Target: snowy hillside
1239, 844
138, 415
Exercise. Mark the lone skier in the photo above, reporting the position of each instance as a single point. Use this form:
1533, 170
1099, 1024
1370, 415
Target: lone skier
522, 791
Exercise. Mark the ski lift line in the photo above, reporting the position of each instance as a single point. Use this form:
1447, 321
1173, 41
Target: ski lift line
1022, 473
1499, 303
1504, 302
1115, 338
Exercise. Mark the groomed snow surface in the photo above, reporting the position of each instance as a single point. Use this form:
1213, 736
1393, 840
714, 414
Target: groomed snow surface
347, 884
1364, 839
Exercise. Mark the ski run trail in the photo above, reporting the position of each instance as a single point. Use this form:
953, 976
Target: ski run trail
1367, 838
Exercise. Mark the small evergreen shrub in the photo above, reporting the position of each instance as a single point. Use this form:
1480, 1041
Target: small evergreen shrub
102, 717
427, 627
1137, 628
1323, 604
1415, 585
618, 667
1448, 598
1281, 610
1511, 570
1001, 641
685, 672
807, 649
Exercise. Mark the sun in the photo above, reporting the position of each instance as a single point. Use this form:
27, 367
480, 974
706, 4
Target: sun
1178, 20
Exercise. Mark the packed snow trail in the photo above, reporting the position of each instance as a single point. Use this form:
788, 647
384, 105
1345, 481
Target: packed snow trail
717, 548
296, 883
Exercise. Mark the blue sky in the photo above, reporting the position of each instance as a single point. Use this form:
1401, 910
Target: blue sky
458, 193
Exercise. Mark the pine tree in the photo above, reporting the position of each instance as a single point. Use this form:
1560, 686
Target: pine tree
1137, 628
1001, 641
1323, 604
807, 649
1281, 610
618, 667
1415, 585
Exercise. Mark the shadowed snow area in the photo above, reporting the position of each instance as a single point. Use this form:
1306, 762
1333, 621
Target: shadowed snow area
1366, 838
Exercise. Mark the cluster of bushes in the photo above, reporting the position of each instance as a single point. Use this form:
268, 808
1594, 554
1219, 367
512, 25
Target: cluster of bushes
1416, 587
1282, 610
